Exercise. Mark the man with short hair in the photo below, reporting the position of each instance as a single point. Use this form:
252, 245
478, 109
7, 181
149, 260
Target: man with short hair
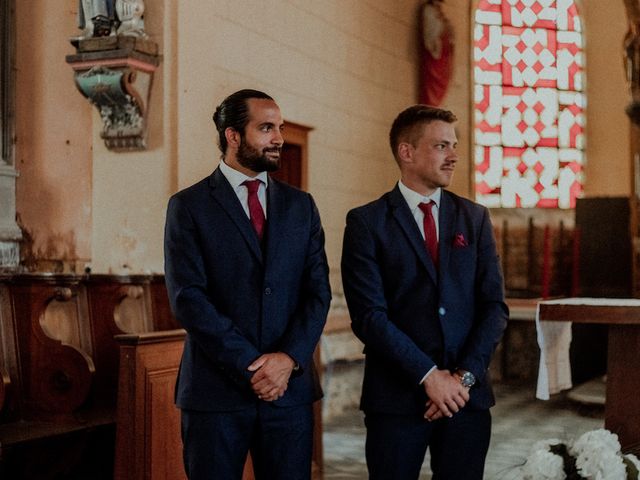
424, 288
247, 277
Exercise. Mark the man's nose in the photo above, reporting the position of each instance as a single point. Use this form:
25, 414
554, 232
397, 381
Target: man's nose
277, 138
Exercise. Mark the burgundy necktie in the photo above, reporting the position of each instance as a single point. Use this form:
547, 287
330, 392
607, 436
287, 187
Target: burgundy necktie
430, 235
256, 214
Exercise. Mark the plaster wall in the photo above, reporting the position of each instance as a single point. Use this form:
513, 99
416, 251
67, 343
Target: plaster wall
608, 168
130, 190
53, 140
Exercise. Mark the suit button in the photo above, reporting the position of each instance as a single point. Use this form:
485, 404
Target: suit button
267, 291
442, 311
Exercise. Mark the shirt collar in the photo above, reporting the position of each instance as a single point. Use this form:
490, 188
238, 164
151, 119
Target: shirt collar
413, 198
235, 178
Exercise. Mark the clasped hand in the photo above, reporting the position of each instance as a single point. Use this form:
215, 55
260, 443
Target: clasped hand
271, 377
446, 395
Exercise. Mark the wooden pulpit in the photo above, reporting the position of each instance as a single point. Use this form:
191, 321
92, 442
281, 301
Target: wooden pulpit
148, 443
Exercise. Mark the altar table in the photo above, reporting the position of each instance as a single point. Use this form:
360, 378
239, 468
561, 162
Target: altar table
622, 404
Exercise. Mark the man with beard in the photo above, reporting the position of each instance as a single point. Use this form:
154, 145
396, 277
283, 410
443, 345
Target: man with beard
247, 277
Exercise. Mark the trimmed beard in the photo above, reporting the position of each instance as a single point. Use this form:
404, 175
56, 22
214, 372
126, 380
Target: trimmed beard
256, 161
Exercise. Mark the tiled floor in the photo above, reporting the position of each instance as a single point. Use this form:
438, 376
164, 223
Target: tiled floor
519, 420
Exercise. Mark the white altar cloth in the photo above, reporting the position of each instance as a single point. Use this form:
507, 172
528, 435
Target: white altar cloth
554, 339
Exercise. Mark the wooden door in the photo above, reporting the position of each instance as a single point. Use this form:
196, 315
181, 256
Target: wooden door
293, 164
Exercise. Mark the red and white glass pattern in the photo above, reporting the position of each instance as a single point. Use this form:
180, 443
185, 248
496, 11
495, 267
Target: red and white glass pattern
529, 105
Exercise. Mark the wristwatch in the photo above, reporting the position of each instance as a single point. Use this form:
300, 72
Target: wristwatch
467, 379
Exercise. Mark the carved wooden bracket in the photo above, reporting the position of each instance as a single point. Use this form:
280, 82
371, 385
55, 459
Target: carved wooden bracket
116, 74
57, 376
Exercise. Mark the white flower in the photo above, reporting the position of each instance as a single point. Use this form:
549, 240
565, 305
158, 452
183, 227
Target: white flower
594, 456
543, 465
600, 439
600, 464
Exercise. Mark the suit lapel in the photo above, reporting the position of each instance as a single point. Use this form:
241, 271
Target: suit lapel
447, 217
227, 199
276, 219
405, 219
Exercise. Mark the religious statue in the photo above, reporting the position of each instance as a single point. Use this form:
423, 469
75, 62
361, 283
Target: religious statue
130, 17
102, 18
436, 53
96, 18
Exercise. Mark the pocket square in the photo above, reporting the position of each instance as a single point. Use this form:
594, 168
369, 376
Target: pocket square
459, 241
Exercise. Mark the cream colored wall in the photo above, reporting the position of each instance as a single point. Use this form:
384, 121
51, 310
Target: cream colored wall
343, 67
130, 190
608, 168
53, 141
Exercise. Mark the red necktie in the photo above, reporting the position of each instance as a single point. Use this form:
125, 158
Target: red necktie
256, 214
430, 235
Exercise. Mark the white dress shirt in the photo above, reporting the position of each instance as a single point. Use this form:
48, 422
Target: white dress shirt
235, 178
413, 199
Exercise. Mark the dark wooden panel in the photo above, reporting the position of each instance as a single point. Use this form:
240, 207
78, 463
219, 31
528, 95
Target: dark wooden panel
148, 444
9, 376
605, 247
622, 407
163, 318
290, 170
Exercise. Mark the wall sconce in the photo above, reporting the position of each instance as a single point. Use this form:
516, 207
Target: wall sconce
115, 73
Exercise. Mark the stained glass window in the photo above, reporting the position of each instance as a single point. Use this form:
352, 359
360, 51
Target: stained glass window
529, 103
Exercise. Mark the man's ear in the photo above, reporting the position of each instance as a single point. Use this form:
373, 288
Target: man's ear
232, 136
405, 152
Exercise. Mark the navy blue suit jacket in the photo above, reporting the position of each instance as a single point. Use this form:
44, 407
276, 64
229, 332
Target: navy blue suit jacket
411, 316
237, 301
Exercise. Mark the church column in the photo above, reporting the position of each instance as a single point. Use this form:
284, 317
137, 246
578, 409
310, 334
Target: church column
10, 233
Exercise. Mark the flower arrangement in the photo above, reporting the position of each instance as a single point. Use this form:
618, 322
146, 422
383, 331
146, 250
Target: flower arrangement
595, 455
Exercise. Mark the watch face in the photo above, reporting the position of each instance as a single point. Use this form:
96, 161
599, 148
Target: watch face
467, 379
